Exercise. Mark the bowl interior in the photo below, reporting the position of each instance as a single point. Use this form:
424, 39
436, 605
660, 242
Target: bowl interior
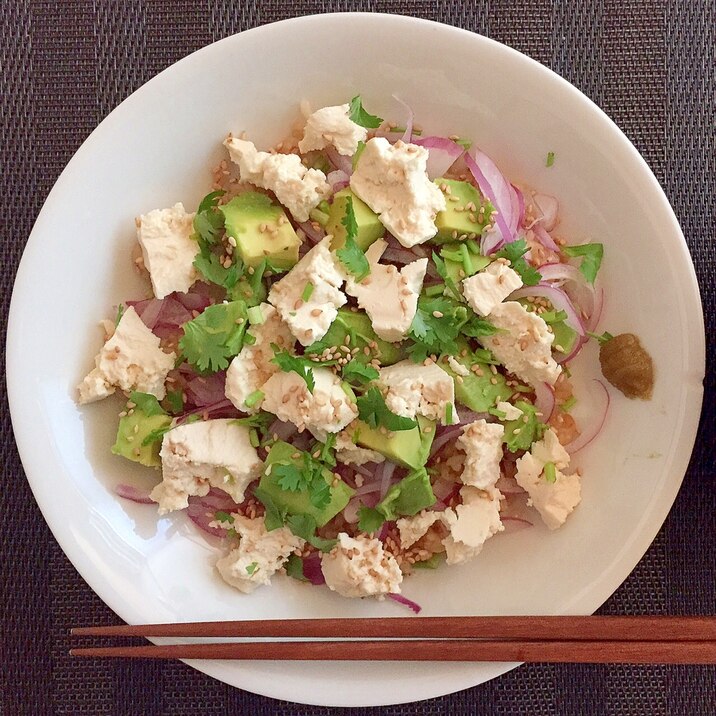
158, 148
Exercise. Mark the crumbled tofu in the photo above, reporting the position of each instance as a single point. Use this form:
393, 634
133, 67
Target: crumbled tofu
349, 453
393, 181
413, 528
482, 444
490, 287
168, 249
553, 500
360, 567
471, 524
332, 126
309, 320
327, 410
389, 295
197, 456
259, 554
253, 366
523, 343
299, 189
419, 389
510, 411
457, 367
130, 360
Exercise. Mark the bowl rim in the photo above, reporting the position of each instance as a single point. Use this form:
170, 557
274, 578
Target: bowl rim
23, 435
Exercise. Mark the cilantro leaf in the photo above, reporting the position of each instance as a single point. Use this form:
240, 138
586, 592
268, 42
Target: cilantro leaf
147, 403
445, 276
357, 372
356, 156
294, 568
327, 450
369, 519
514, 252
591, 254
274, 517
221, 516
350, 254
214, 336
373, 411
251, 568
176, 401
155, 435
357, 114
209, 265
436, 325
208, 220
477, 327
301, 366
210, 201
260, 420
291, 477
304, 526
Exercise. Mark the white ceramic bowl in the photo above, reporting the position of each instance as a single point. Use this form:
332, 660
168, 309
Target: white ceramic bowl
156, 148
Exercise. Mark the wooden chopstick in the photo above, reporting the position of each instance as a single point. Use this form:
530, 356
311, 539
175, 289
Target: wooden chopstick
599, 652
527, 628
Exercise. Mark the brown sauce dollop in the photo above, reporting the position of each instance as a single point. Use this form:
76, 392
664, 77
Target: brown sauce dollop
627, 366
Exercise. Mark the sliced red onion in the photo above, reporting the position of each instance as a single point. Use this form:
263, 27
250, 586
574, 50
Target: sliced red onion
544, 238
549, 208
284, 430
367, 469
386, 477
350, 511
217, 499
520, 198
558, 298
312, 569
222, 408
544, 401
442, 154
135, 494
514, 524
508, 486
495, 187
597, 309
369, 487
450, 434
313, 234
413, 606
205, 390
339, 161
408, 134
337, 176
202, 517
576, 348
593, 430
400, 257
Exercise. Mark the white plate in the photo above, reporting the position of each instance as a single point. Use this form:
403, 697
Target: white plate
156, 149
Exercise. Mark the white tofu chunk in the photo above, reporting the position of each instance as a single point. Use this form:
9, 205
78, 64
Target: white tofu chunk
482, 444
389, 295
331, 126
490, 287
419, 389
259, 556
201, 455
523, 343
168, 249
130, 360
392, 179
360, 567
309, 319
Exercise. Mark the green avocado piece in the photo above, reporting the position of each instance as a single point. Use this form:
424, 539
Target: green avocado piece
369, 227
299, 503
278, 242
147, 420
357, 325
529, 431
476, 390
412, 494
455, 220
410, 448
460, 262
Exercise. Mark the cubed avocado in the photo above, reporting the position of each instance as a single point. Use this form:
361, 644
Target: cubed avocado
479, 390
299, 502
244, 216
459, 219
522, 432
412, 494
357, 325
134, 429
407, 447
369, 227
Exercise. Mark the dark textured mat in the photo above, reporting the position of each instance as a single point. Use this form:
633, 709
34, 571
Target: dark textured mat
65, 65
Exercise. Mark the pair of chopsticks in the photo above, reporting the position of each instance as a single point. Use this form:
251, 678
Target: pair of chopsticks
569, 639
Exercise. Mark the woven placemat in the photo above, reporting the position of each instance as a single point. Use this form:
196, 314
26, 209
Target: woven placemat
65, 65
